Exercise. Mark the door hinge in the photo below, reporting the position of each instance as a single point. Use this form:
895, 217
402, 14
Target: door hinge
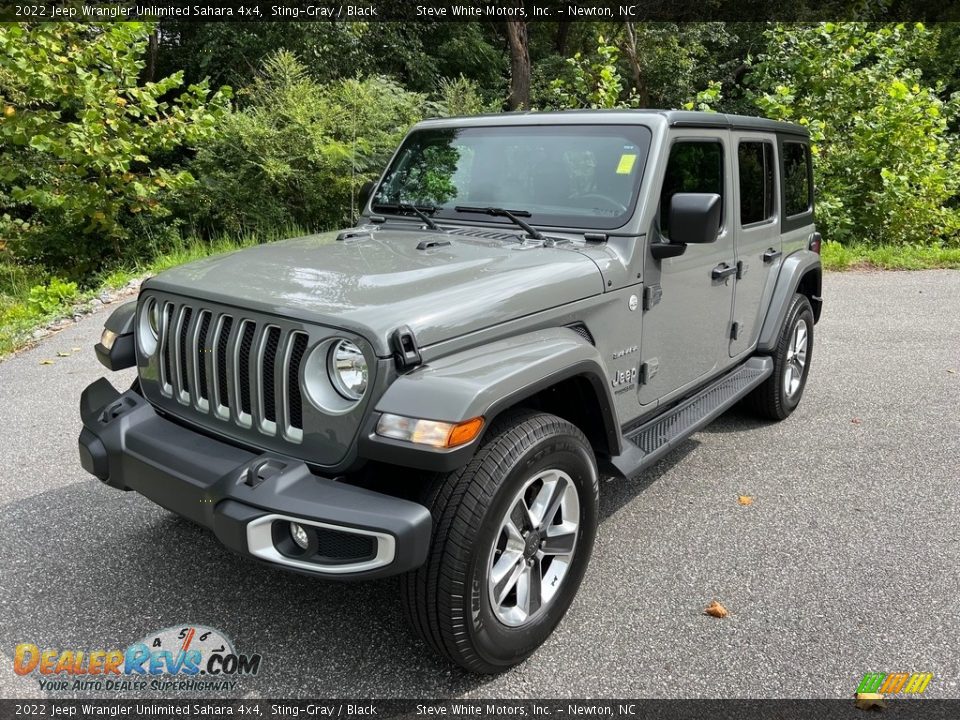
651, 296
741, 269
648, 370
734, 331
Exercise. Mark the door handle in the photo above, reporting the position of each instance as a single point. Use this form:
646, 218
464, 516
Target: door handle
722, 271
770, 255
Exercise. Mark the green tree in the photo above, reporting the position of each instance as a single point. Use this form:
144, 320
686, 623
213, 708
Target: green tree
885, 158
297, 150
413, 54
594, 81
80, 136
645, 65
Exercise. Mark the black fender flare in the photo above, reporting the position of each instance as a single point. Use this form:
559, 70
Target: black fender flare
792, 271
483, 382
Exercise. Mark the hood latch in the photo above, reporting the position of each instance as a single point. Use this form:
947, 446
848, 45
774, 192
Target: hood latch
406, 352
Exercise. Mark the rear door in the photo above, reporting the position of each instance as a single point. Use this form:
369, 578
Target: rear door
684, 335
757, 240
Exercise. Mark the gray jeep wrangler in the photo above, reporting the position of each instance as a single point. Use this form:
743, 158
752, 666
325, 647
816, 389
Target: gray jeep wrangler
526, 302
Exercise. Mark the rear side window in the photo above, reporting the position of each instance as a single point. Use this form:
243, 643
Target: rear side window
797, 194
693, 167
755, 165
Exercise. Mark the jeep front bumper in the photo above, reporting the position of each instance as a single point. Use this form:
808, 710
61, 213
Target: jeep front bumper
249, 500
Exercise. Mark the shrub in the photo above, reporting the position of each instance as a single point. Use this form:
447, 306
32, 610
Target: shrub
593, 81
461, 96
52, 296
884, 156
80, 136
297, 151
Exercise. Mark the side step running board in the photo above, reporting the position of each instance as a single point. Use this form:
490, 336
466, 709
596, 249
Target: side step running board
649, 442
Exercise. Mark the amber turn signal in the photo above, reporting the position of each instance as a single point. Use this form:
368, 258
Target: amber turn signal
464, 432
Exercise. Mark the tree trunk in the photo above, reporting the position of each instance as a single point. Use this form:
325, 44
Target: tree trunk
638, 82
560, 41
519, 65
152, 56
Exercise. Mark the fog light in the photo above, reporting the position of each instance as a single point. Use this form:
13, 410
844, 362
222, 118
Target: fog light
299, 535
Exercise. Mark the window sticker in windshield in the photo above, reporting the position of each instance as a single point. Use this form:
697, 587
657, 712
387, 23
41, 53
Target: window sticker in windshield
625, 166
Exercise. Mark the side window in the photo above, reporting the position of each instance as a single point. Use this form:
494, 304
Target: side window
755, 165
796, 178
693, 167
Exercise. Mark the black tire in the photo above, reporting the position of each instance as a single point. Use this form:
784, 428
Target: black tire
772, 400
447, 601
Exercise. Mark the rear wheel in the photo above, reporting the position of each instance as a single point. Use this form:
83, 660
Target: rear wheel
513, 533
780, 393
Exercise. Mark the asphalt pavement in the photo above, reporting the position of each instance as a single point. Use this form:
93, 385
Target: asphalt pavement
847, 561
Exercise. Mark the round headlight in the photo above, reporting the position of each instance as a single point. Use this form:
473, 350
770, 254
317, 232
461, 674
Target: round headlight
348, 369
148, 327
153, 317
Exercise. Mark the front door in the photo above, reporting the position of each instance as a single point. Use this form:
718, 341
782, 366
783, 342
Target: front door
685, 335
758, 244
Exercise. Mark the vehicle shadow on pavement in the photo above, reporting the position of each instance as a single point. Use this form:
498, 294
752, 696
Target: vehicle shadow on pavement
737, 419
87, 567
615, 493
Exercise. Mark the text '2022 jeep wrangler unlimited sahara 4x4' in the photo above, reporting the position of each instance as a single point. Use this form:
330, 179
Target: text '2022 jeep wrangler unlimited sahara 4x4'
526, 298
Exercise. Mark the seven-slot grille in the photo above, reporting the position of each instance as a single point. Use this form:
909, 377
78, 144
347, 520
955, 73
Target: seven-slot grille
236, 369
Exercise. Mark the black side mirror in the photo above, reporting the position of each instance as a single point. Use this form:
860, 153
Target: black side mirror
694, 218
366, 190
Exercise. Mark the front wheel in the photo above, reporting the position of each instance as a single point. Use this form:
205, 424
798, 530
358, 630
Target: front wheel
513, 533
780, 393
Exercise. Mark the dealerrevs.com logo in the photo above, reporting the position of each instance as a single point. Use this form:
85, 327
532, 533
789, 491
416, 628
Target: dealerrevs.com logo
188, 657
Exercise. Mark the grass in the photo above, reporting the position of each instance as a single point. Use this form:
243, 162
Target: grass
19, 317
906, 257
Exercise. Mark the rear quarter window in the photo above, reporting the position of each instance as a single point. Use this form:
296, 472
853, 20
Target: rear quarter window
798, 195
755, 167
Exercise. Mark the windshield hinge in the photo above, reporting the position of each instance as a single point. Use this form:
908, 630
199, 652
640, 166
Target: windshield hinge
406, 353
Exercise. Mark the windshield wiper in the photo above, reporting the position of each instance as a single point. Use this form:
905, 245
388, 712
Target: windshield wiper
417, 210
512, 215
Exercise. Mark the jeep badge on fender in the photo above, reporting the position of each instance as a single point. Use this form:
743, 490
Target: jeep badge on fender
436, 392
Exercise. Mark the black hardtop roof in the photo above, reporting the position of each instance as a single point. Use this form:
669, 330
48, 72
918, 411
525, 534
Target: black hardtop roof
674, 118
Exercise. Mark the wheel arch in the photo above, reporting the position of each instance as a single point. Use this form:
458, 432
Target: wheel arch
553, 370
801, 272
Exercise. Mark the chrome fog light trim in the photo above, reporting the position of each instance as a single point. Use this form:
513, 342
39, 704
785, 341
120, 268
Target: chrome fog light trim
260, 544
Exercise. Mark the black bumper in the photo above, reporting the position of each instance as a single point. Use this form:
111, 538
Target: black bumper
247, 499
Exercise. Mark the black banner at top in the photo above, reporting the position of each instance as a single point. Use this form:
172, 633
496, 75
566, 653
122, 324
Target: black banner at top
86, 11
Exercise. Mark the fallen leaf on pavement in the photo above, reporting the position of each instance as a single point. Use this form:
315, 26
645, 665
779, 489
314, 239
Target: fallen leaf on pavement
952, 372
716, 610
856, 421
76, 349
46, 362
63, 354
745, 500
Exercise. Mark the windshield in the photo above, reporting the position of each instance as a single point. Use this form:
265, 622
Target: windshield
579, 176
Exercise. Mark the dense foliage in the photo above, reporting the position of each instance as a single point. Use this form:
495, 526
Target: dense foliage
113, 143
84, 178
296, 151
885, 154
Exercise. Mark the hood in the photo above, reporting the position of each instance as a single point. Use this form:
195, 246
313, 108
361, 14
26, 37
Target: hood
377, 282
